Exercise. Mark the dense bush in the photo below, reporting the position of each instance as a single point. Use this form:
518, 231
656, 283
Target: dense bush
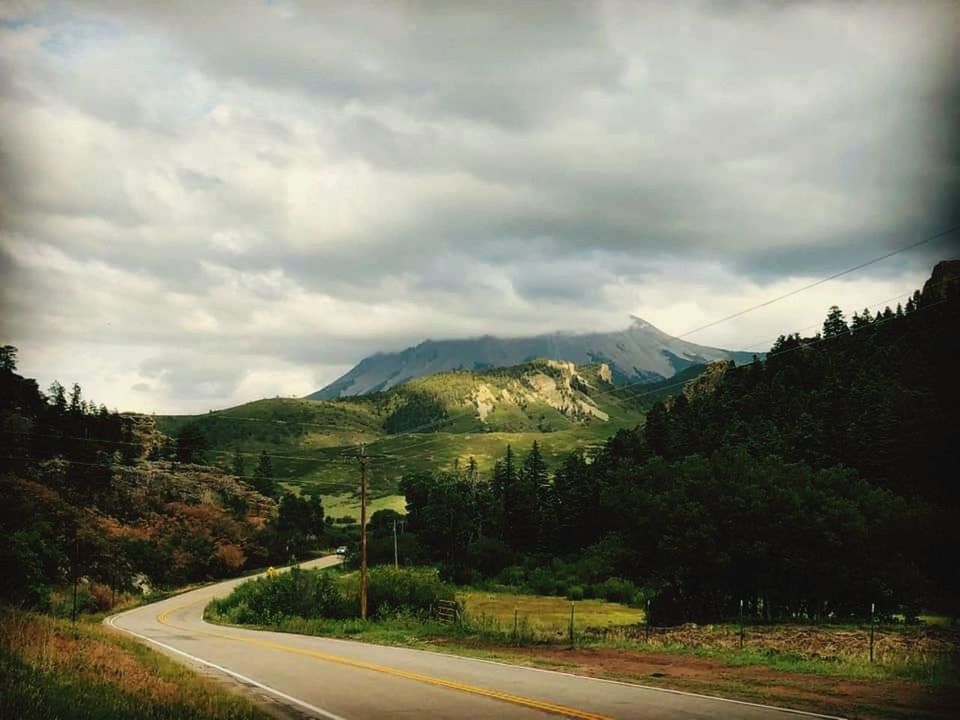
590, 576
267, 600
412, 591
616, 590
321, 594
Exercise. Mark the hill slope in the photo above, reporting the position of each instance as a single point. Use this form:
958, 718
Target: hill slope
432, 422
637, 354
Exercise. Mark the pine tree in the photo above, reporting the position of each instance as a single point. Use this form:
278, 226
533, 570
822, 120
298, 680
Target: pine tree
58, 396
504, 491
239, 468
75, 399
263, 475
835, 325
191, 443
522, 509
861, 321
8, 358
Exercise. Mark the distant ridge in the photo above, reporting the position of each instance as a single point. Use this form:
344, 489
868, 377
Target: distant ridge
639, 353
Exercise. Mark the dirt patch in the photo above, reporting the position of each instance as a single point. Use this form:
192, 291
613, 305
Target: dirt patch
485, 401
855, 699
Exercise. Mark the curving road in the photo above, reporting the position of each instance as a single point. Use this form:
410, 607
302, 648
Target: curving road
343, 679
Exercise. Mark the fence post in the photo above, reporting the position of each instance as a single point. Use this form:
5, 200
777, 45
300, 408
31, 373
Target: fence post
516, 638
571, 623
647, 628
873, 607
741, 624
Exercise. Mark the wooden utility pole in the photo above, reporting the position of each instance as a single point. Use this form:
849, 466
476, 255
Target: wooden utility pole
363, 533
76, 572
396, 557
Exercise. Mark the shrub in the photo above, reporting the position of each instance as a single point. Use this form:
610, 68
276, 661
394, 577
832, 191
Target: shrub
60, 602
317, 594
266, 600
489, 556
575, 592
542, 581
413, 591
616, 590
512, 576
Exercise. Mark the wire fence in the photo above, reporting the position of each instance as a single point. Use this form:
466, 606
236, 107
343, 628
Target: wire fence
868, 642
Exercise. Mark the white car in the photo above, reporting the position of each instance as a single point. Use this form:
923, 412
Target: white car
342, 550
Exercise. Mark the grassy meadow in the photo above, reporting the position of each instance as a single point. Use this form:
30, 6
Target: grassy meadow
546, 614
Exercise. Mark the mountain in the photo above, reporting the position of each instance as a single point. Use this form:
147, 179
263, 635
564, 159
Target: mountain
456, 415
640, 353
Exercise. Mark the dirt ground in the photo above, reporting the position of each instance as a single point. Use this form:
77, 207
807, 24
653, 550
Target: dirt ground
855, 699
825, 642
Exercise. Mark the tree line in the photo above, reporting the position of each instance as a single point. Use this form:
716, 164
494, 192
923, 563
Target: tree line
808, 484
104, 498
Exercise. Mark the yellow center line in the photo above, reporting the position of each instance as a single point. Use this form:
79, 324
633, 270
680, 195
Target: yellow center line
418, 677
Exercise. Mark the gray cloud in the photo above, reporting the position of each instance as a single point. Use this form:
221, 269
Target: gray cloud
224, 217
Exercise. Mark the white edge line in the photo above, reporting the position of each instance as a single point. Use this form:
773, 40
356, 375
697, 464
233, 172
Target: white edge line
468, 659
685, 693
238, 676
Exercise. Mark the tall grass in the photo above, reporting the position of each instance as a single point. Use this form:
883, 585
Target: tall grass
52, 669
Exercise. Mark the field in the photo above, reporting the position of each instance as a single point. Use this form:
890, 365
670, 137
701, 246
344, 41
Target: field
545, 614
52, 669
337, 506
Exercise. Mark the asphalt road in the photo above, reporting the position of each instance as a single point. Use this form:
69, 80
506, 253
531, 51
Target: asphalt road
343, 679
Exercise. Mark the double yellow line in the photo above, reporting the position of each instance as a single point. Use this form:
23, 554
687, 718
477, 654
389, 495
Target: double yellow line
417, 677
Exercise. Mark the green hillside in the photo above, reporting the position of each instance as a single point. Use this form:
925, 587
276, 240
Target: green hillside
439, 421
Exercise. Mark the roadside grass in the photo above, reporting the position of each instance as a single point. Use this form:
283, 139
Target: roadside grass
489, 638
502, 623
51, 668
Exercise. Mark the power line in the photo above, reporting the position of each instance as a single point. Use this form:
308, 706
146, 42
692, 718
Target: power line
103, 441
804, 345
799, 290
847, 271
618, 390
886, 302
221, 414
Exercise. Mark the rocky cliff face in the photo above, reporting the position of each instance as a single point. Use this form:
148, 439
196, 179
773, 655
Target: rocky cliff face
944, 281
640, 353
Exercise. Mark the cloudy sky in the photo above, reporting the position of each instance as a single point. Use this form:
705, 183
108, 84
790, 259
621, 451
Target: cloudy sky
203, 206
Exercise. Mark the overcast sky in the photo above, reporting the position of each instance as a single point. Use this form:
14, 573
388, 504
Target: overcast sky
203, 207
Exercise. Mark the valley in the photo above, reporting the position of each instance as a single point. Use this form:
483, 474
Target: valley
436, 422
